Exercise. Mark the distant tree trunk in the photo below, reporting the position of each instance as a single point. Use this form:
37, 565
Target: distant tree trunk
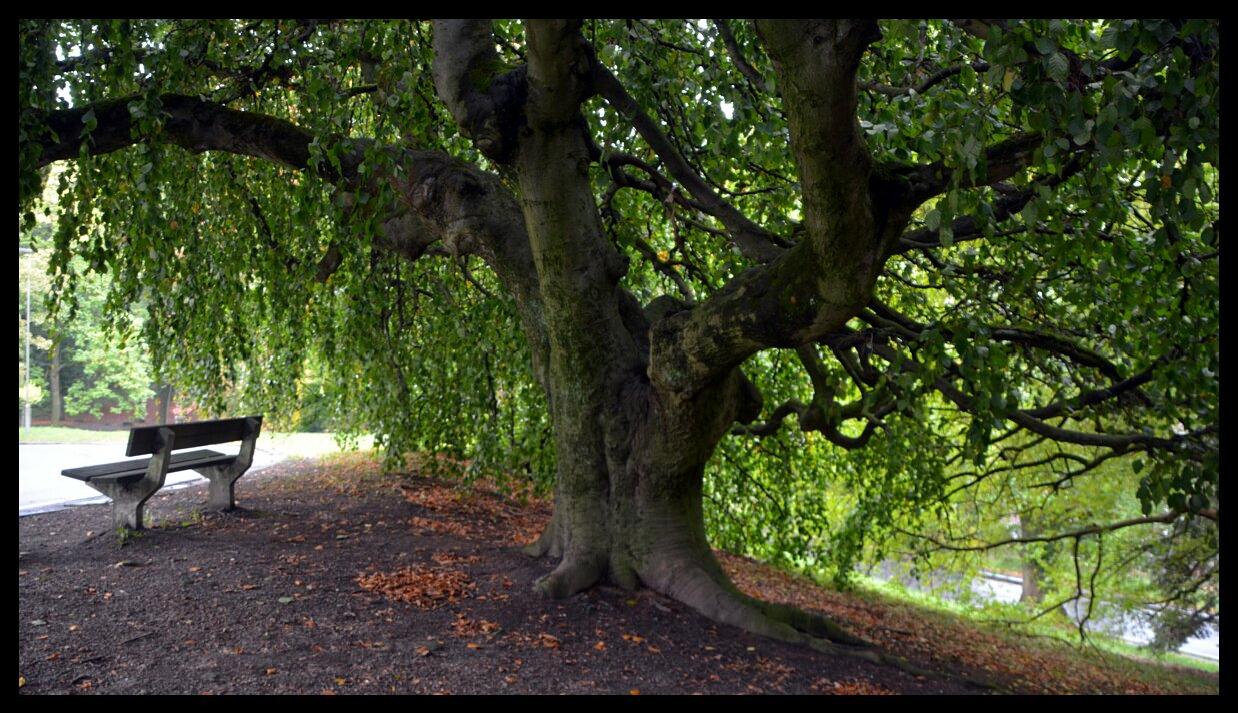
1032, 573
1032, 569
165, 403
54, 377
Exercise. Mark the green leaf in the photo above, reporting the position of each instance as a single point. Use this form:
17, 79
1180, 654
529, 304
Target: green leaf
90, 121
1056, 66
1029, 212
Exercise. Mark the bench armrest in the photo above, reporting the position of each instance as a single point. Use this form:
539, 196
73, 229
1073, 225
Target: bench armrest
245, 457
157, 470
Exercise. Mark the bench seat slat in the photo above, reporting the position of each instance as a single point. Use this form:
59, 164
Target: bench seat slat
188, 460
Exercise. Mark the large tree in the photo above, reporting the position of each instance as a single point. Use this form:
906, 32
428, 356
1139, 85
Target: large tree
936, 242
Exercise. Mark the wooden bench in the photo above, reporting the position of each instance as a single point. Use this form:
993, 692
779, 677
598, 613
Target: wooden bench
131, 483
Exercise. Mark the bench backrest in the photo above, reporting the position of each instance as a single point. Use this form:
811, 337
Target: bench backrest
146, 439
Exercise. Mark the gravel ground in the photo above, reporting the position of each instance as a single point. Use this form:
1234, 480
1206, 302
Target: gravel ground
332, 579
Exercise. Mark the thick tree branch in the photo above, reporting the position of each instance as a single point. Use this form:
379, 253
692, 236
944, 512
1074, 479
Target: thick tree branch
969, 228
884, 315
810, 419
658, 186
816, 63
1056, 433
814, 288
929, 82
485, 97
1008, 157
191, 123
1026, 420
752, 240
824, 414
470, 210
737, 55
771, 426
1096, 396
1001, 160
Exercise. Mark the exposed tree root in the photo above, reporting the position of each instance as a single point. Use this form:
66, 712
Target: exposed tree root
547, 543
700, 583
574, 574
581, 566
808, 622
707, 590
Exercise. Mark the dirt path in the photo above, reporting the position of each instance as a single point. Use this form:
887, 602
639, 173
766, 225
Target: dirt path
334, 579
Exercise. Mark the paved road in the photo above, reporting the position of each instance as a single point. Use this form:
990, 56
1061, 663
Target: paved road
41, 487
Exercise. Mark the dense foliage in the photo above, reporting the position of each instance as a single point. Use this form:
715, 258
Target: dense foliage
1082, 289
92, 362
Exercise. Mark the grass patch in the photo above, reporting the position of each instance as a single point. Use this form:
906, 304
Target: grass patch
1171, 670
60, 434
1047, 627
303, 445
1022, 658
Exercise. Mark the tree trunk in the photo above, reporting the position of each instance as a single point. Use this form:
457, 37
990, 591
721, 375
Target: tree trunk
636, 511
632, 439
1032, 573
637, 519
1030, 568
54, 378
1032, 559
165, 403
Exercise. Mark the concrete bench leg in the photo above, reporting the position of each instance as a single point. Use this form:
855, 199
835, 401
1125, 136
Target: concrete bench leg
221, 495
128, 499
222, 492
130, 495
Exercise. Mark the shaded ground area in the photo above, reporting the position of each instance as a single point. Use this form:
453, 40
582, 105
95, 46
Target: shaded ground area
334, 578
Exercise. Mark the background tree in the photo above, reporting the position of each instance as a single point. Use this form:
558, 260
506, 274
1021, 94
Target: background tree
83, 359
32, 277
115, 374
924, 240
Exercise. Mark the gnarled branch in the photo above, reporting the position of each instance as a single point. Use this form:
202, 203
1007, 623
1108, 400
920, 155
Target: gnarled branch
752, 240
